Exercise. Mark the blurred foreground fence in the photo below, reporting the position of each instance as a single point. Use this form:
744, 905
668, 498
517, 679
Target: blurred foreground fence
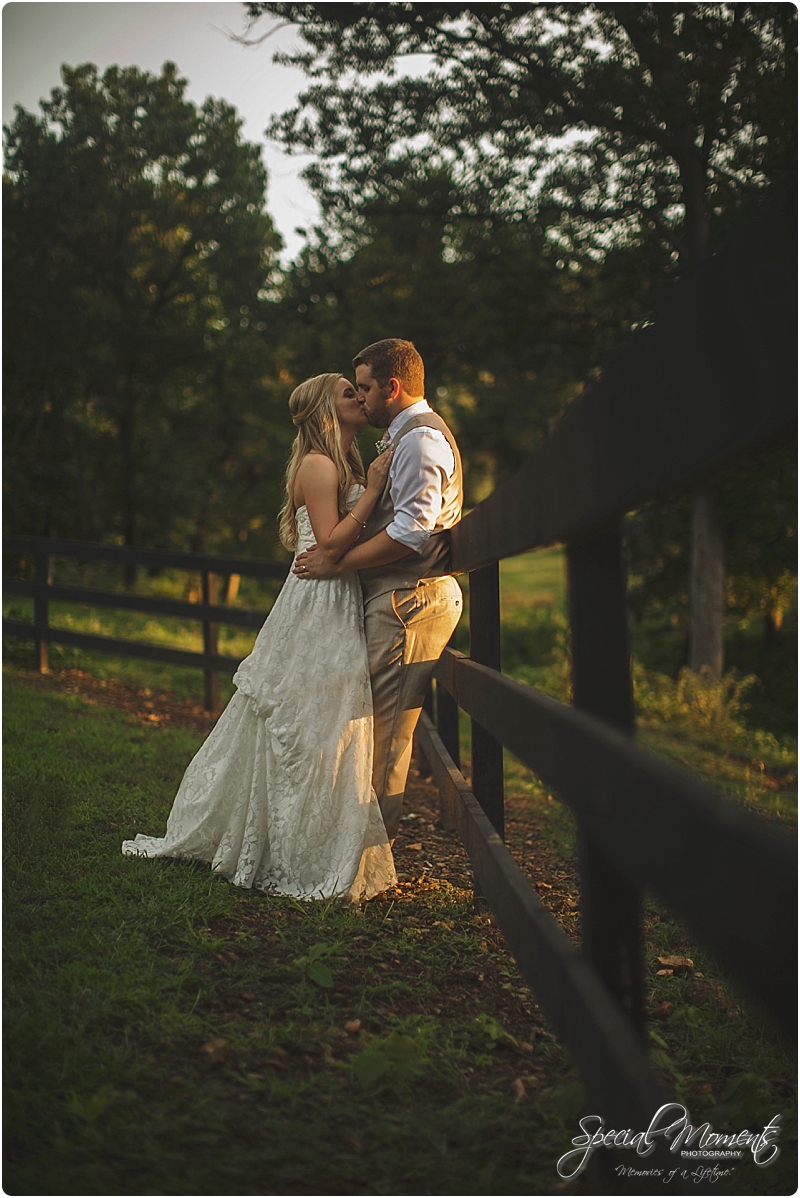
711, 378
210, 613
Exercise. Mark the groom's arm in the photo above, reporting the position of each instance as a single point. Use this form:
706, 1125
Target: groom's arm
421, 465
379, 550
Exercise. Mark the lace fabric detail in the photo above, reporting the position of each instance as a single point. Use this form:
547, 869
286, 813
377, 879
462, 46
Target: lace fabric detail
280, 795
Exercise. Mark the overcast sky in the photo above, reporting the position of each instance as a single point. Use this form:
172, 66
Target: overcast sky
39, 37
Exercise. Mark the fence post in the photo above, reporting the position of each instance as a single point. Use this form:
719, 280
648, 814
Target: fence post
210, 631
611, 905
484, 647
447, 720
41, 617
420, 760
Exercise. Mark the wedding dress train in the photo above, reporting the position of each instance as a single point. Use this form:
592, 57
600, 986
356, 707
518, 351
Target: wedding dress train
280, 796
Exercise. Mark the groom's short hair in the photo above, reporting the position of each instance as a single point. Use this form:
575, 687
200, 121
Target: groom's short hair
394, 358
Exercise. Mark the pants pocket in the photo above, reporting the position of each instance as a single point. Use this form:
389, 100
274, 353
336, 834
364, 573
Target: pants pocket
432, 602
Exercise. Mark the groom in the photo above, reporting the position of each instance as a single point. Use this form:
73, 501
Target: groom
411, 602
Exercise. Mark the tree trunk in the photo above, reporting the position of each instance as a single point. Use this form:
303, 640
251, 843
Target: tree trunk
706, 585
707, 566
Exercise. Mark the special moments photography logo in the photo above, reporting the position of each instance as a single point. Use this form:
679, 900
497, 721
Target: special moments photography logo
671, 1123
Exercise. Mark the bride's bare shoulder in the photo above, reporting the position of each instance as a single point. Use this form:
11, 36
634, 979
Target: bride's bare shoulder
316, 476
316, 464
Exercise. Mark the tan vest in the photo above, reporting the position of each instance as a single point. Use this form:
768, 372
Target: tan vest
433, 559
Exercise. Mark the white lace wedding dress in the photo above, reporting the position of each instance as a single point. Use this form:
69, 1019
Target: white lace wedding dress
280, 796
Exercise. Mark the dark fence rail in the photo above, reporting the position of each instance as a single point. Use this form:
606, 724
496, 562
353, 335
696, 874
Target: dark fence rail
712, 378
210, 613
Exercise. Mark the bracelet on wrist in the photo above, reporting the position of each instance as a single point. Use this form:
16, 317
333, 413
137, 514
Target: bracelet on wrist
363, 523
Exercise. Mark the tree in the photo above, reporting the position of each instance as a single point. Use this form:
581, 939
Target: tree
137, 255
678, 113
508, 326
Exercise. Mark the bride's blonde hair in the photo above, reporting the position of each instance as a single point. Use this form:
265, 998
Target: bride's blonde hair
313, 409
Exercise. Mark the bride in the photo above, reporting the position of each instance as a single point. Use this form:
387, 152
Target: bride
280, 795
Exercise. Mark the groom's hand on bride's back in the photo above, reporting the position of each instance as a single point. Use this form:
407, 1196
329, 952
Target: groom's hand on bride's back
315, 563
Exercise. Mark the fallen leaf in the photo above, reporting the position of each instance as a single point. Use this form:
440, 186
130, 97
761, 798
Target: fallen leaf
664, 973
518, 1090
217, 1051
676, 964
416, 848
352, 1026
663, 1010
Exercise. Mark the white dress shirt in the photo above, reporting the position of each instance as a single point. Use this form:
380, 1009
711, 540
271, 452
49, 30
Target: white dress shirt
420, 470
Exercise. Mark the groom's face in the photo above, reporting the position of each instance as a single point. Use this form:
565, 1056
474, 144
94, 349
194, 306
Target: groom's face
372, 397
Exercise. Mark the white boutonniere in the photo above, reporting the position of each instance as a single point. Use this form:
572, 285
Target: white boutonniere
382, 445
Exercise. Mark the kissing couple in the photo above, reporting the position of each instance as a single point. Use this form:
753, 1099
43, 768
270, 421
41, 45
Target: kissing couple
298, 790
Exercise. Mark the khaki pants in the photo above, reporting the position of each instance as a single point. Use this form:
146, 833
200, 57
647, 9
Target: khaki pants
406, 632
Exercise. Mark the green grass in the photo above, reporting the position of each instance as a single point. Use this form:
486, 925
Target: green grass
118, 971
536, 579
718, 1058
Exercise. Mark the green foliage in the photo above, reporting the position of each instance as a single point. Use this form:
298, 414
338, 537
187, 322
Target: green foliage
495, 1032
680, 111
393, 1060
140, 387
757, 506
713, 705
566, 1103
314, 967
508, 326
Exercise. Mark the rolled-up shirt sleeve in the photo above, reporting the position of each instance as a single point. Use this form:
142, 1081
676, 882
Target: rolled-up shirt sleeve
420, 469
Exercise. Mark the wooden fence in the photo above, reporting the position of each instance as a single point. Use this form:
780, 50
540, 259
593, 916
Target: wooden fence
210, 613
712, 378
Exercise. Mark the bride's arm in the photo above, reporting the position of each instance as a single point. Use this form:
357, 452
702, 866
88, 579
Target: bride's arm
318, 481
